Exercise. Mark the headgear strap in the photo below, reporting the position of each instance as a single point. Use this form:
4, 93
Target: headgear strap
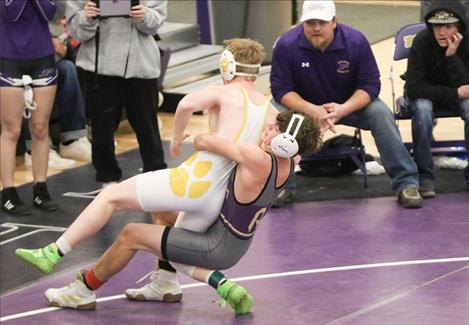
284, 145
228, 65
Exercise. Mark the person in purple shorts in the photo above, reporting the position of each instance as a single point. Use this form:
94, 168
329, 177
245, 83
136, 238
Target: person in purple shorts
28, 79
327, 70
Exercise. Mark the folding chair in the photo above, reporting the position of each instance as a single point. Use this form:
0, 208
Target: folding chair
402, 43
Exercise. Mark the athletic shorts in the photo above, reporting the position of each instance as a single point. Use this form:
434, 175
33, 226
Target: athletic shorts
216, 249
42, 71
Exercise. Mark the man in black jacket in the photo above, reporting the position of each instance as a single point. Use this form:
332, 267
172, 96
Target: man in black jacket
437, 77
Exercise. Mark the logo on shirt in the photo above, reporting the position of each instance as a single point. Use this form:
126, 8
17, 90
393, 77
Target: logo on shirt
343, 66
305, 64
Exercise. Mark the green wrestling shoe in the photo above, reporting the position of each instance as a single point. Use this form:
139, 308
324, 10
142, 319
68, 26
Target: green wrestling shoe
236, 296
45, 259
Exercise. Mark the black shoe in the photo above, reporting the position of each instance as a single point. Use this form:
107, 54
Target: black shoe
285, 196
12, 204
42, 198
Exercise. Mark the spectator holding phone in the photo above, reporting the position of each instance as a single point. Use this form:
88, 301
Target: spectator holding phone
121, 64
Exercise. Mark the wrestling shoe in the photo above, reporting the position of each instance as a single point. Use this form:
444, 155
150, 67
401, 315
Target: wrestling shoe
157, 290
45, 259
236, 296
12, 204
76, 295
42, 199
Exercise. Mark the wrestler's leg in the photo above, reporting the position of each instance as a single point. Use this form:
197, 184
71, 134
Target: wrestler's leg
122, 196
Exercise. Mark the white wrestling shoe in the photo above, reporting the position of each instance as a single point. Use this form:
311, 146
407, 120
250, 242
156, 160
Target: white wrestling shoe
158, 289
76, 295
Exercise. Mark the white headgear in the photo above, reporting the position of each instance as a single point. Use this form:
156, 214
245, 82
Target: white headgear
228, 65
284, 145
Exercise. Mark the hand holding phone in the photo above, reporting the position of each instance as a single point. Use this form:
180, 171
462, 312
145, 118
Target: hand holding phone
91, 10
137, 12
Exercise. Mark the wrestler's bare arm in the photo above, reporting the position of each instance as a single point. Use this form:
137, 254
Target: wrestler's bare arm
208, 98
249, 155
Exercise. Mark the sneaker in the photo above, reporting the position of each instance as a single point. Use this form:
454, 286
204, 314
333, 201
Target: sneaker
284, 197
157, 290
409, 197
76, 295
45, 259
427, 191
42, 199
55, 161
78, 150
236, 296
12, 204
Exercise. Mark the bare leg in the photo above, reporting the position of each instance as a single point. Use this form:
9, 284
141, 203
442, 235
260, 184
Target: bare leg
133, 237
39, 127
122, 196
11, 110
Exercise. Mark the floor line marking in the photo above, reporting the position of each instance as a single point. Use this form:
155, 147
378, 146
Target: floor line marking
391, 299
268, 276
16, 226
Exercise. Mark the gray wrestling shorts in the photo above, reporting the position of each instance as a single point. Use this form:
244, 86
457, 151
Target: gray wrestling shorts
215, 249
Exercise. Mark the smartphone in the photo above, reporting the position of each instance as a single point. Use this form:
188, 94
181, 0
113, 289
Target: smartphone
115, 8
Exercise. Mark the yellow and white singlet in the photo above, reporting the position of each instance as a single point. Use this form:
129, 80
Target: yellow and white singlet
197, 187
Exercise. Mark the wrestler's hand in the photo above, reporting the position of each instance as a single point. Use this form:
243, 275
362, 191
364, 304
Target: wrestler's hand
138, 13
91, 10
176, 143
453, 44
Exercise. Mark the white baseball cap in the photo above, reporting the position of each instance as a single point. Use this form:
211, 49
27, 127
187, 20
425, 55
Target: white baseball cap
318, 9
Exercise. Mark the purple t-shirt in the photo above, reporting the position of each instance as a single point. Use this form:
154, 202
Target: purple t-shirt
347, 65
24, 32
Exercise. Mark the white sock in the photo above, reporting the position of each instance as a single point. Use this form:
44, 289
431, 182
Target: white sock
63, 245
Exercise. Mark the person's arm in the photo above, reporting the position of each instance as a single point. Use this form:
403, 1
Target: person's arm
80, 22
47, 9
13, 9
417, 84
283, 87
249, 155
208, 98
458, 61
150, 18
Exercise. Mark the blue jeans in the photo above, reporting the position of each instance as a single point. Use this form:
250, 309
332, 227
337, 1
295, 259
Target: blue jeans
397, 162
421, 110
69, 102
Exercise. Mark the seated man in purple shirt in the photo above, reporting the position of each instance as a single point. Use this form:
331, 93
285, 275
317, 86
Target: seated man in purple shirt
327, 70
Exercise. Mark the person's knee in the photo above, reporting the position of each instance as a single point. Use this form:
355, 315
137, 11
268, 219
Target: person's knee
379, 112
129, 233
39, 131
423, 108
11, 132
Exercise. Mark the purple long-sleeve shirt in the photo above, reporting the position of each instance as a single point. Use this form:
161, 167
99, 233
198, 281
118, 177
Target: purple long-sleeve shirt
24, 32
347, 65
